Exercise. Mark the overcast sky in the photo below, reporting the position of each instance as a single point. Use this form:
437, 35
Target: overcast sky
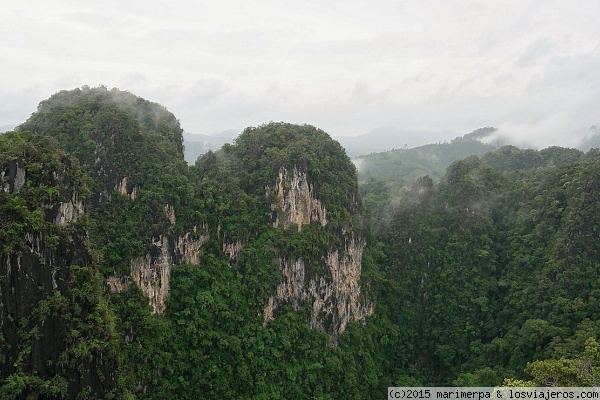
530, 68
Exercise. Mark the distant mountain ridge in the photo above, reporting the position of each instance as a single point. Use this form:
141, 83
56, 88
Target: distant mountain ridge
384, 139
378, 140
197, 144
430, 159
375, 141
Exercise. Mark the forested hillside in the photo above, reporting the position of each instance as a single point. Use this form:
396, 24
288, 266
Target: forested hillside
385, 177
258, 271
493, 270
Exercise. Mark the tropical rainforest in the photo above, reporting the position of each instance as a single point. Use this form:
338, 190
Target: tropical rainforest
264, 270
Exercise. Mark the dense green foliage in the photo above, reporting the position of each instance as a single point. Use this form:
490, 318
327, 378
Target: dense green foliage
485, 272
22, 210
494, 269
406, 165
124, 142
385, 177
57, 296
259, 153
211, 342
511, 158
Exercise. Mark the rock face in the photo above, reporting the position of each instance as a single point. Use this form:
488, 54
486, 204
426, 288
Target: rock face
295, 201
125, 188
37, 267
187, 248
334, 294
233, 250
69, 211
28, 279
152, 272
12, 177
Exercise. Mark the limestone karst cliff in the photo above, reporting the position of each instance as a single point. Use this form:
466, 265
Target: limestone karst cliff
147, 221
131, 150
335, 294
46, 284
119, 260
152, 272
295, 203
310, 182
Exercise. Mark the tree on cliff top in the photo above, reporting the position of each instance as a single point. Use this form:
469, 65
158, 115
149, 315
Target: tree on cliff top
259, 153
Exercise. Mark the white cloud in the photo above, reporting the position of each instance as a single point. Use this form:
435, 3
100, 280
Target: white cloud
529, 67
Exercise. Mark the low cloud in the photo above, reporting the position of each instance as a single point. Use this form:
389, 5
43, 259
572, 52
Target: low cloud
556, 130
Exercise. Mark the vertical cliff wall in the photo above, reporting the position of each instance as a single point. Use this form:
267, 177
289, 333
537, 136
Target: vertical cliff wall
295, 202
43, 255
131, 151
334, 293
271, 221
152, 272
